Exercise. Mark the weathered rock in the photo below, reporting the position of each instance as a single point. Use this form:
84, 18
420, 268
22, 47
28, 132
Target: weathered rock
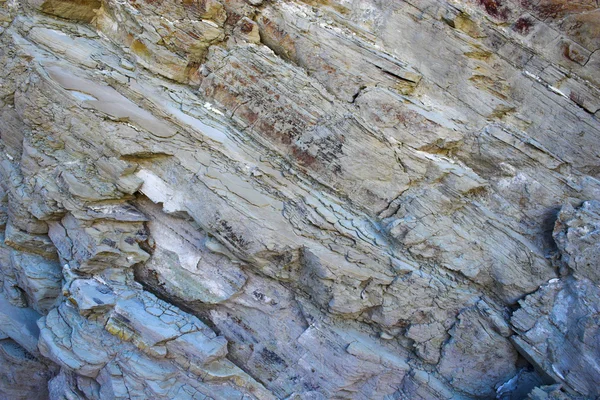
557, 330
553, 392
299, 199
90, 295
74, 343
89, 246
99, 365
183, 264
23, 376
577, 234
557, 326
477, 359
10, 287
67, 384
39, 278
24, 241
152, 324
19, 323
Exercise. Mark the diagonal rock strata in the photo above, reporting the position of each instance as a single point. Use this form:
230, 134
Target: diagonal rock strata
299, 199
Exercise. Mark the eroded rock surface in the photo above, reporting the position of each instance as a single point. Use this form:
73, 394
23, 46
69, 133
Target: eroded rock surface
285, 199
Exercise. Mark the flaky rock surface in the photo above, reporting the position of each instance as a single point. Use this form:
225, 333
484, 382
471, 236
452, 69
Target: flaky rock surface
299, 199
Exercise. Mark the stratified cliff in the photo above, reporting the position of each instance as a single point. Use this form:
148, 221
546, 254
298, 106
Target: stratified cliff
286, 199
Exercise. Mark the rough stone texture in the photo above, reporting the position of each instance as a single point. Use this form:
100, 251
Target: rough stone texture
577, 234
23, 375
352, 199
557, 329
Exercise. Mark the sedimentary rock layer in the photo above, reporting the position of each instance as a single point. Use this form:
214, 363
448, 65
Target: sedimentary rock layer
285, 199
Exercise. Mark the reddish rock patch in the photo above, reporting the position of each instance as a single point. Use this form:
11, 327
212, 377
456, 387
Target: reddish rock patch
495, 8
523, 25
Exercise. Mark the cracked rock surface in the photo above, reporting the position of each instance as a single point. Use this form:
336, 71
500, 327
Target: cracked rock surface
299, 199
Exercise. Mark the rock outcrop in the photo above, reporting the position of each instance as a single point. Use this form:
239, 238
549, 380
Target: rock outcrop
299, 199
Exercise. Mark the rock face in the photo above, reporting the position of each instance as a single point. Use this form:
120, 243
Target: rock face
299, 199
